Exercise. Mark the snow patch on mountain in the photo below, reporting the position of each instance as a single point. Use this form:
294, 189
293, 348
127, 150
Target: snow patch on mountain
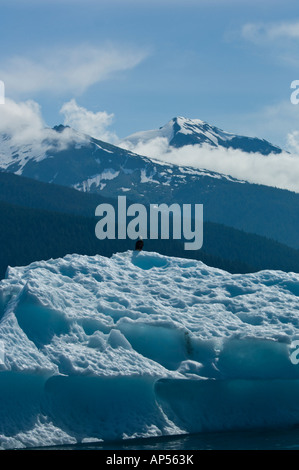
97, 180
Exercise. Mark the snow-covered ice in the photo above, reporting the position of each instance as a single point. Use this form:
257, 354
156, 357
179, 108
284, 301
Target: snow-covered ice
143, 345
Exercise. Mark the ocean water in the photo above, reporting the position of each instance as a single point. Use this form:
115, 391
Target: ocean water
282, 439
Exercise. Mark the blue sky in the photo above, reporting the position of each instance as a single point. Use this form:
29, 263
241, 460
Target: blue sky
140, 63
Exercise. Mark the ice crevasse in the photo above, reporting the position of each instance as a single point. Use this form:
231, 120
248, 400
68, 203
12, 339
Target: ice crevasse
141, 345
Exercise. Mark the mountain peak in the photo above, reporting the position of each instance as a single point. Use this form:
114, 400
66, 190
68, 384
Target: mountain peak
60, 128
182, 120
181, 131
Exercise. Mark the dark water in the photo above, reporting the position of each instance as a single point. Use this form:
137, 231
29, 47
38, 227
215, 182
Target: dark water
283, 439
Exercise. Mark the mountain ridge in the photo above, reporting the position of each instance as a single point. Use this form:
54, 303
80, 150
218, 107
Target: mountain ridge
181, 131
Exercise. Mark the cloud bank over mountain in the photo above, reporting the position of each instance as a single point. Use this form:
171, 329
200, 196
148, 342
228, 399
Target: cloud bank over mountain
281, 171
275, 169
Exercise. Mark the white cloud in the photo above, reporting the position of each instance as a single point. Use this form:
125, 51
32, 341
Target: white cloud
157, 147
23, 126
71, 70
263, 32
88, 122
19, 118
293, 142
280, 40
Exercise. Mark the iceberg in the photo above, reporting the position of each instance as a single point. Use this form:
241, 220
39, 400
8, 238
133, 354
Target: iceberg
143, 345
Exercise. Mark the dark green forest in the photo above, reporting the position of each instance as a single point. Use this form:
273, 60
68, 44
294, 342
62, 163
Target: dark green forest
39, 221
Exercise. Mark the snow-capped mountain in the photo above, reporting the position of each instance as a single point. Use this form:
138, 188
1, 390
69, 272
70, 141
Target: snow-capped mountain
181, 131
18, 152
69, 158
